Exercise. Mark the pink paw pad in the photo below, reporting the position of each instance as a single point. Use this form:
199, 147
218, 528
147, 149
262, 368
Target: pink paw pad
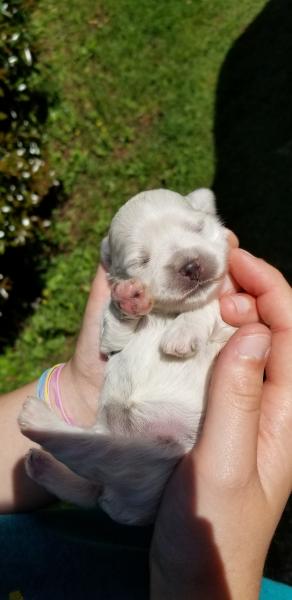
132, 297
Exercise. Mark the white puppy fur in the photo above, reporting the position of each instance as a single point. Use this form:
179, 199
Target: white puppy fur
174, 251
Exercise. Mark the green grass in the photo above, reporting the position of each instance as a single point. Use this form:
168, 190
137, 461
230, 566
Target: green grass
134, 86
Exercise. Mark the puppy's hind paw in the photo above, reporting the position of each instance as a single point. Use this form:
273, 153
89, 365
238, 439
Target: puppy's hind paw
29, 416
36, 418
37, 464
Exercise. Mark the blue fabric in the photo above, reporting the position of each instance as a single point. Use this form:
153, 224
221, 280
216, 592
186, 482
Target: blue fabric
72, 554
80, 554
272, 590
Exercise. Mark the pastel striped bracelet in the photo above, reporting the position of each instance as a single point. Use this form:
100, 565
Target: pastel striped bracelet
48, 389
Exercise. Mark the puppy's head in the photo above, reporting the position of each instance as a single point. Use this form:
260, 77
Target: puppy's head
175, 245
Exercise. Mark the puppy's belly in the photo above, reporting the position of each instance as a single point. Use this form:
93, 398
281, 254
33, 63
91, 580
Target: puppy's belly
149, 393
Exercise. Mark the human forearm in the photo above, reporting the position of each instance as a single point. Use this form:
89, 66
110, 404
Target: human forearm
204, 554
79, 398
17, 491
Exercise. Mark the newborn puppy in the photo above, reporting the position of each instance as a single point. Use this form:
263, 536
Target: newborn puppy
166, 255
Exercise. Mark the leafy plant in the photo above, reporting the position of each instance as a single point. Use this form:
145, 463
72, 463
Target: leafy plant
25, 175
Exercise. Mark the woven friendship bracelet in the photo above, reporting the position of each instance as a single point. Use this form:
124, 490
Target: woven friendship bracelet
48, 389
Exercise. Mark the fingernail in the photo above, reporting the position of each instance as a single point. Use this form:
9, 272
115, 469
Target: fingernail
256, 346
232, 236
241, 303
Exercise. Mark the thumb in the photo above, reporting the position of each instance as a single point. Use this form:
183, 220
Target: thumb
230, 432
88, 339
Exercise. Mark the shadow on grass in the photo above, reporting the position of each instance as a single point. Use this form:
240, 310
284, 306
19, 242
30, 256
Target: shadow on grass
253, 180
25, 267
253, 136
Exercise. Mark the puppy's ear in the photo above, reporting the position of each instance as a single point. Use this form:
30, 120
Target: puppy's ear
202, 199
105, 255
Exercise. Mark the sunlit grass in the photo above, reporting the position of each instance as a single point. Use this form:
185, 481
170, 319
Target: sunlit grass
134, 86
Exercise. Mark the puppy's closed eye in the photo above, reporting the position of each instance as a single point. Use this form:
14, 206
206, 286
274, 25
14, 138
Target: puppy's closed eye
139, 261
144, 259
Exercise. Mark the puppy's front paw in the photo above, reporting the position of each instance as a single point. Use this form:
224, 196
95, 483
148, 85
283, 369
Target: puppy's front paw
180, 343
132, 297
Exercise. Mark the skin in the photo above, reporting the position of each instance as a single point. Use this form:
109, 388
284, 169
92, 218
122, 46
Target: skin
224, 500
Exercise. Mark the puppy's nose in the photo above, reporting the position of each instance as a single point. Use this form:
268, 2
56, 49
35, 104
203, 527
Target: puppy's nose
192, 270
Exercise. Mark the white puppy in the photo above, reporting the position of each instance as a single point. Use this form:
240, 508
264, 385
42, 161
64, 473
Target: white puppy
166, 256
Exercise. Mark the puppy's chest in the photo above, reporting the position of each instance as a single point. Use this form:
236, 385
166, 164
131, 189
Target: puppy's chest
155, 324
157, 337
143, 373
202, 323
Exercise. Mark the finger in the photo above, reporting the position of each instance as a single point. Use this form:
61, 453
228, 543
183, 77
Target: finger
99, 293
88, 340
229, 285
230, 432
232, 239
238, 309
274, 303
275, 442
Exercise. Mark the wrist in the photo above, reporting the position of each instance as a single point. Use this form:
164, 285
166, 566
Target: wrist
209, 583
199, 567
79, 395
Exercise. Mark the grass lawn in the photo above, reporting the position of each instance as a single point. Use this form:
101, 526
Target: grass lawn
134, 86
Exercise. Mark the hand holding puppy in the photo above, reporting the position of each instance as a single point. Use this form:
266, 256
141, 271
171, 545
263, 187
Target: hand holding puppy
224, 501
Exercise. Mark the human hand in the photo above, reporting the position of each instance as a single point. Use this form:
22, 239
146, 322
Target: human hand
222, 505
81, 380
